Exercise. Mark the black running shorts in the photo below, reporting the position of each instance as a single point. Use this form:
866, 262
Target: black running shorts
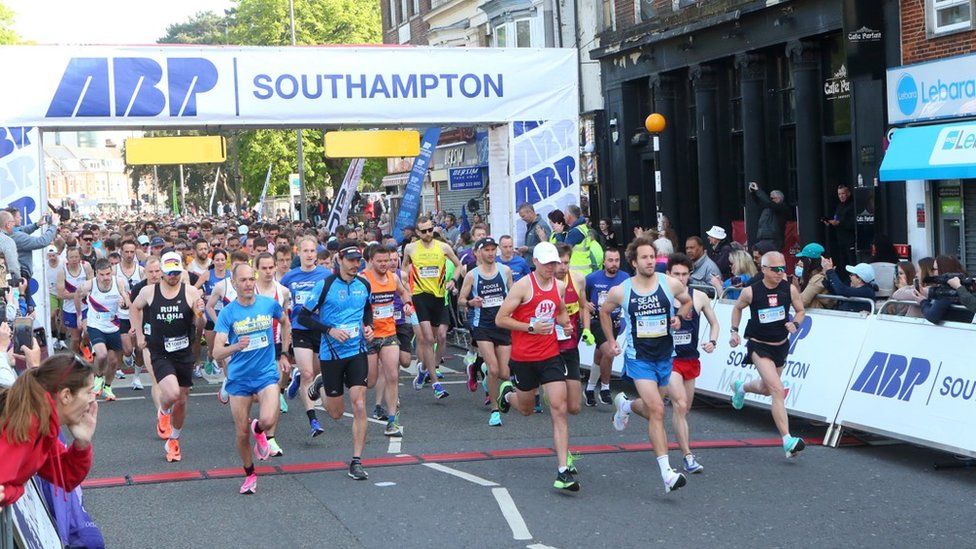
344, 372
529, 375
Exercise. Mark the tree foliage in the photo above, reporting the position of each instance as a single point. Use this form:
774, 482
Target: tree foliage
7, 34
266, 23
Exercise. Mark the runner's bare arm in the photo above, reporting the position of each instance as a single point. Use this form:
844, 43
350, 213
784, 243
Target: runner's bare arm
704, 305
580, 282
126, 302
562, 316
222, 350
514, 298
79, 295
798, 311
745, 298
59, 286
285, 326
680, 292
215, 295
449, 252
135, 313
407, 255
466, 291
405, 296
614, 298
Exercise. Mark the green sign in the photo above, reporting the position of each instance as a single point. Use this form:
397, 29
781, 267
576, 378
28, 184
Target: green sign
950, 206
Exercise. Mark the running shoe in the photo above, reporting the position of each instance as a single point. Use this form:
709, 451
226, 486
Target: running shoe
296, 382
495, 420
738, 395
356, 471
108, 394
129, 362
393, 427
315, 429
470, 357
438, 372
208, 367
590, 397
472, 376
119, 374
418, 382
538, 404
172, 447
222, 395
314, 390
198, 371
673, 481
487, 398
136, 382
605, 397
261, 448
439, 392
379, 413
99, 383
503, 389
571, 460
282, 403
276, 450
691, 465
620, 418
217, 370
250, 485
566, 481
793, 446
163, 426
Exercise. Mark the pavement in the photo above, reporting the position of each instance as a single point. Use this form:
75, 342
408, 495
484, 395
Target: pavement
454, 481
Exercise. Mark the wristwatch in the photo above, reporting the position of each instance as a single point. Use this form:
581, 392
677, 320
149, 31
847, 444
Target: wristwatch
734, 328
531, 329
713, 342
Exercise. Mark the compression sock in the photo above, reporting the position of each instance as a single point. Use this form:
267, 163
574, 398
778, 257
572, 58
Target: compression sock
664, 464
249, 470
311, 415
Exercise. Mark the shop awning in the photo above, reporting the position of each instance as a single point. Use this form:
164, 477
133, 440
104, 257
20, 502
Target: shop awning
944, 151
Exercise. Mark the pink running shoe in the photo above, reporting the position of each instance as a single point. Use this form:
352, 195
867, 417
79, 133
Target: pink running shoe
250, 485
262, 450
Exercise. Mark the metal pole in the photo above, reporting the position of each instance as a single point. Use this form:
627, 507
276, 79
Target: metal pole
298, 133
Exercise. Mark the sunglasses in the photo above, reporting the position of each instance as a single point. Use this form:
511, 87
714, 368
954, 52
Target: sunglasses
777, 269
425, 231
88, 239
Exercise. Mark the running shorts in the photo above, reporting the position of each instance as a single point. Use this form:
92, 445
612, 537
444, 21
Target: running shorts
405, 337
124, 326
112, 341
572, 359
379, 342
430, 309
349, 372
688, 368
71, 319
306, 339
776, 353
658, 371
250, 387
163, 366
496, 335
529, 375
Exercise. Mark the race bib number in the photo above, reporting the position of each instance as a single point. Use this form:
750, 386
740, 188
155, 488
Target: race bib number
173, 344
601, 298
397, 315
351, 329
301, 298
652, 326
772, 314
102, 317
147, 329
430, 272
493, 301
682, 338
257, 341
561, 334
383, 311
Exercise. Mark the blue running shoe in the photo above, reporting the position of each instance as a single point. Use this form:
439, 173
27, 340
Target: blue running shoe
440, 374
793, 446
738, 395
439, 392
418, 382
296, 382
496, 419
691, 465
538, 404
316, 428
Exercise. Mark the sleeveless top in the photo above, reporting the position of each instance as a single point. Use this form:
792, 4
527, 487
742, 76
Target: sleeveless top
130, 283
381, 299
71, 284
542, 305
568, 343
168, 325
103, 307
492, 291
648, 332
686, 337
769, 312
397, 304
427, 273
279, 297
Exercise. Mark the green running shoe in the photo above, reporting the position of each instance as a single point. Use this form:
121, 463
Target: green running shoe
738, 395
503, 389
566, 481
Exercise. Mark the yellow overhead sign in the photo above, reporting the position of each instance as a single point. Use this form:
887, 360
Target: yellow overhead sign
202, 149
372, 144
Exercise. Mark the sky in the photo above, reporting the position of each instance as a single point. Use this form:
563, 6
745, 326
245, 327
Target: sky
103, 21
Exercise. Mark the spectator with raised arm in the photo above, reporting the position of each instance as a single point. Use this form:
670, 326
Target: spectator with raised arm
862, 285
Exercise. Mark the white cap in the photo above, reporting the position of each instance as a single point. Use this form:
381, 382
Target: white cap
52, 249
716, 232
242, 230
171, 263
143, 239
545, 252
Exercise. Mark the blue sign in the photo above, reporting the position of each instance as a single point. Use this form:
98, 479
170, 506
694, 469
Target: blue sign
410, 204
892, 376
932, 90
463, 179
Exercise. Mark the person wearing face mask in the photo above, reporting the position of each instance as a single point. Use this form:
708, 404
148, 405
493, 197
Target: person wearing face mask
809, 278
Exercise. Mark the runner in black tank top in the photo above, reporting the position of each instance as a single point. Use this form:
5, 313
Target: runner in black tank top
768, 331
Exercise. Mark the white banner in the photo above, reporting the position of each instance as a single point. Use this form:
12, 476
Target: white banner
22, 186
916, 382
819, 363
100, 86
340, 206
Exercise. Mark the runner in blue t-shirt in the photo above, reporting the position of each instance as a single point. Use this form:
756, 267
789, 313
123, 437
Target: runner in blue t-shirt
340, 309
300, 282
598, 285
245, 335
510, 259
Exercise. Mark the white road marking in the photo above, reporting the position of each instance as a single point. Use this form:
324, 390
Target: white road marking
394, 445
539, 546
462, 475
511, 514
202, 394
128, 398
369, 419
385, 484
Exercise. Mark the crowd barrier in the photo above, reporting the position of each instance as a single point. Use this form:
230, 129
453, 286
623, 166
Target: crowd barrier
894, 376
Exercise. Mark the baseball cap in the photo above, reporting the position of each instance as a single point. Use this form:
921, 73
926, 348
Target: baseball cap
158, 241
172, 263
51, 249
242, 230
812, 251
545, 252
350, 252
863, 271
486, 241
143, 240
716, 232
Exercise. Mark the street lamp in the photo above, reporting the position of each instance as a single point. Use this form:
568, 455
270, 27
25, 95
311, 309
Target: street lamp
298, 132
655, 124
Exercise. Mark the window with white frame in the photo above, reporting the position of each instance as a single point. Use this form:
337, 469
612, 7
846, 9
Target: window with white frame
609, 15
416, 7
643, 10
946, 16
404, 14
393, 13
515, 34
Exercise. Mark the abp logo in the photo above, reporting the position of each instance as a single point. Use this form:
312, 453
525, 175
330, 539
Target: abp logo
907, 94
129, 86
892, 376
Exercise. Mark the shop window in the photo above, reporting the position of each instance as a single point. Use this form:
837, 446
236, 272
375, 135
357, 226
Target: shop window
404, 13
609, 15
836, 88
947, 16
738, 166
392, 5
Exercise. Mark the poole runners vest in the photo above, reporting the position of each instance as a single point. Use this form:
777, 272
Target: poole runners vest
543, 305
686, 337
648, 321
492, 292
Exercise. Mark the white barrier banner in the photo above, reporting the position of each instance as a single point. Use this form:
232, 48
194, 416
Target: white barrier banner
917, 382
100, 86
818, 366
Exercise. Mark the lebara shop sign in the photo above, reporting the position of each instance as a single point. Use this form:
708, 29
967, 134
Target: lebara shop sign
939, 89
955, 145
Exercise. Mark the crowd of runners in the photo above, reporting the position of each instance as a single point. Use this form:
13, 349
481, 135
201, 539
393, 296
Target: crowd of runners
279, 312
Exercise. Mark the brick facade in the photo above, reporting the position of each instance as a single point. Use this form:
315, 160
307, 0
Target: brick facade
667, 14
916, 47
418, 27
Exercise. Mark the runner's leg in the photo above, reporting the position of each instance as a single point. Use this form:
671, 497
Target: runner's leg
680, 405
390, 377
772, 386
556, 392
357, 398
491, 353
